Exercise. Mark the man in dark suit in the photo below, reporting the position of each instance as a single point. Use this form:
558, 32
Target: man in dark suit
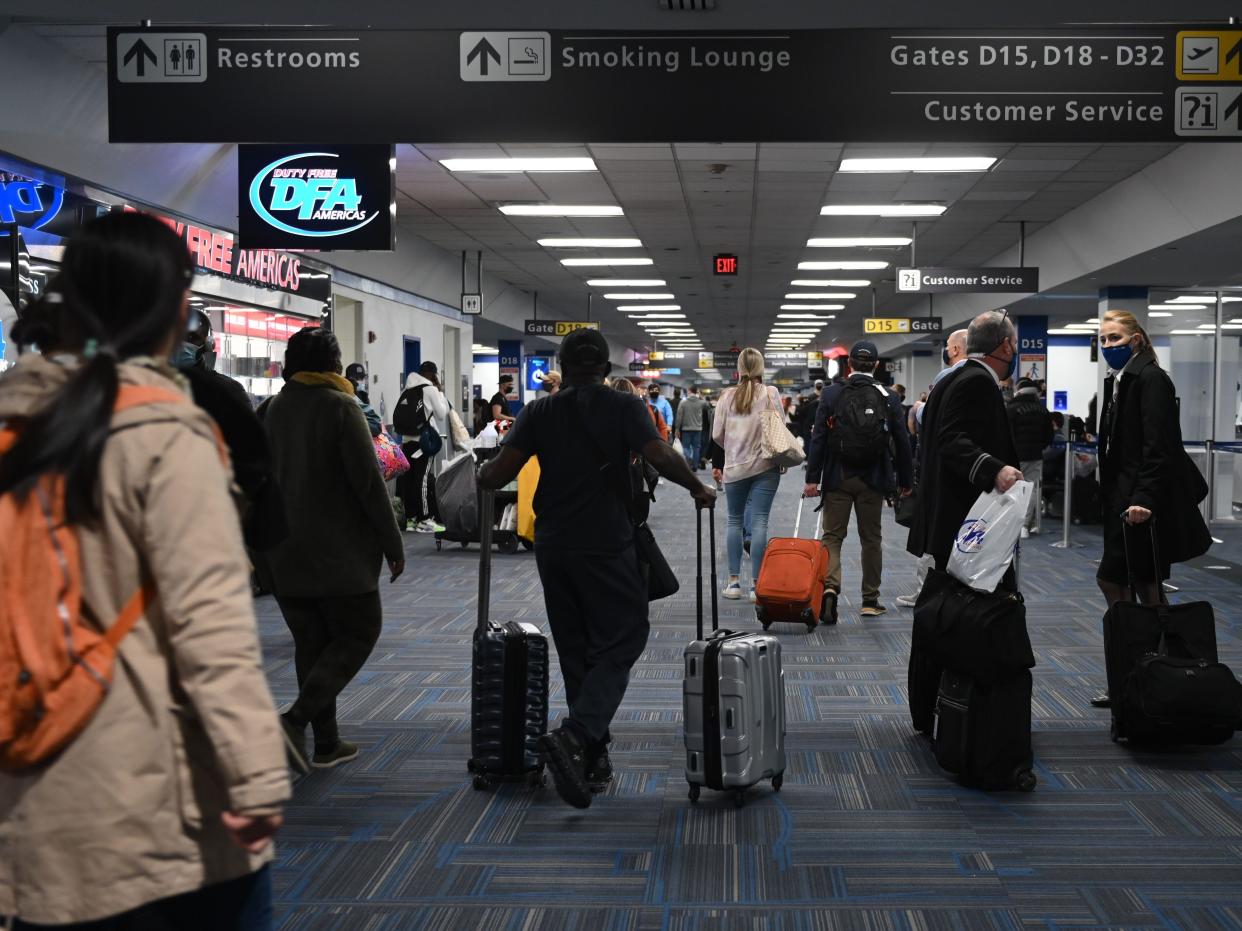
965, 445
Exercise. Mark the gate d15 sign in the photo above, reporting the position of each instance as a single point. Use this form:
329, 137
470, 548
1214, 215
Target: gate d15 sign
316, 197
1092, 84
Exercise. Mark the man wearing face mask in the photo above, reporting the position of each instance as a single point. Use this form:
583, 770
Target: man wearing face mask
356, 374
263, 517
966, 445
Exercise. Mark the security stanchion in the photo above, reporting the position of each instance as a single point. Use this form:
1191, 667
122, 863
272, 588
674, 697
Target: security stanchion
1067, 501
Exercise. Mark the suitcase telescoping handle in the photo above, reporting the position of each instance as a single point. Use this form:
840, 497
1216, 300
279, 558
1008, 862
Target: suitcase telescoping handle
711, 536
487, 510
1155, 556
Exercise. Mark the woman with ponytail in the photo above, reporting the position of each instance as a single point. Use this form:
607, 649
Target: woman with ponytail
1145, 473
750, 479
160, 811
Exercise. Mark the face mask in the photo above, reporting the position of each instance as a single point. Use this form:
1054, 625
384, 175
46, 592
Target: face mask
1012, 363
1117, 356
185, 356
944, 354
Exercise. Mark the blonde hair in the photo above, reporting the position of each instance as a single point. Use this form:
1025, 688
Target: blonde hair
750, 380
625, 386
1130, 324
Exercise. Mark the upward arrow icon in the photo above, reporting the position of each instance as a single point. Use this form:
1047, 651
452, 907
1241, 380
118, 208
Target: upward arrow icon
483, 51
1234, 52
143, 53
1233, 109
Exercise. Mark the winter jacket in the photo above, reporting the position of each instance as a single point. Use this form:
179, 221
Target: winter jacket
130, 811
341, 522
1030, 423
433, 400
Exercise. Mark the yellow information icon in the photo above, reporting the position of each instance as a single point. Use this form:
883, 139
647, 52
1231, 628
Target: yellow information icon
1209, 55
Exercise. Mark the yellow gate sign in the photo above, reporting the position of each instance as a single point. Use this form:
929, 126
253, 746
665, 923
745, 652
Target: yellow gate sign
565, 327
886, 324
1209, 55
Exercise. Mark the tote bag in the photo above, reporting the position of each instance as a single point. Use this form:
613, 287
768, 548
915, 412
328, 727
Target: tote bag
776, 442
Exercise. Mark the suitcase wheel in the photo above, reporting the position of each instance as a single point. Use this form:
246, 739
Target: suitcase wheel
509, 545
464, 544
1025, 780
739, 799
777, 781
808, 618
480, 783
694, 794
439, 544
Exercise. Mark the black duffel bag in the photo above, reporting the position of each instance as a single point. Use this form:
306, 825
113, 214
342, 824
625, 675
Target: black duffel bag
978, 634
1176, 699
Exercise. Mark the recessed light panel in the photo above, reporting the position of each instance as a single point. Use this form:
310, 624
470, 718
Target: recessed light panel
519, 164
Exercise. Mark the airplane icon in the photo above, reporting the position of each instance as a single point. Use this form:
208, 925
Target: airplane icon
1197, 53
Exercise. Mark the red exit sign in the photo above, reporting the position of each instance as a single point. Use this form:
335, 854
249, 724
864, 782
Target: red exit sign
725, 265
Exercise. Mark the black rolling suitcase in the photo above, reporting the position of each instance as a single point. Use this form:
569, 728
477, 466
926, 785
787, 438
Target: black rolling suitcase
982, 735
1165, 681
509, 686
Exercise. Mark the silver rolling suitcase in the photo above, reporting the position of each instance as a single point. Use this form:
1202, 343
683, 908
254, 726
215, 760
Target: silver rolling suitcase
733, 701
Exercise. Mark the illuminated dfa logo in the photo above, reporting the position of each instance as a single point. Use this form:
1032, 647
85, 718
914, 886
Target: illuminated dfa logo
304, 194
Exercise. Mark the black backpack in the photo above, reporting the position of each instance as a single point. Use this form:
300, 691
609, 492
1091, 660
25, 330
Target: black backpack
860, 424
410, 415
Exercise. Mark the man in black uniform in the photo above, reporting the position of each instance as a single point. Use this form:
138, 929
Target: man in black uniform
965, 445
500, 400
595, 594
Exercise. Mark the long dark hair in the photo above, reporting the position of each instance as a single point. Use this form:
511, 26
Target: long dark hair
123, 281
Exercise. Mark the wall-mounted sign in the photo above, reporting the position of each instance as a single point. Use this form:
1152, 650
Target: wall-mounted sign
319, 197
886, 324
963, 280
558, 327
472, 304
660, 355
30, 204
1033, 347
1081, 84
724, 265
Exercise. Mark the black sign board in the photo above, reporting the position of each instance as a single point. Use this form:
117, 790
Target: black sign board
558, 327
321, 197
638, 366
724, 265
963, 280
925, 324
1150, 83
726, 359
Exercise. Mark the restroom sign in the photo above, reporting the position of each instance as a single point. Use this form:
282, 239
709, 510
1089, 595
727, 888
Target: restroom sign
161, 57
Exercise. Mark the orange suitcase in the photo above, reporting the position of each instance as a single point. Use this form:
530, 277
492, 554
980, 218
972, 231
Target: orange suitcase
792, 580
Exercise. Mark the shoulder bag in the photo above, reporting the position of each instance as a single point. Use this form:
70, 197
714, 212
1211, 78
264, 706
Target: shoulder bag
776, 442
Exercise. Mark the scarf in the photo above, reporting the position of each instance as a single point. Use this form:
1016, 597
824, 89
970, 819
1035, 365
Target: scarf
325, 380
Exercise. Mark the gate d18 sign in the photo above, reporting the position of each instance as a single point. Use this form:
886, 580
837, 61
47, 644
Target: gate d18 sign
316, 197
1090, 84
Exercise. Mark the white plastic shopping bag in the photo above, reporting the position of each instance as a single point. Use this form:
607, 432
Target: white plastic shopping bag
678, 448
985, 543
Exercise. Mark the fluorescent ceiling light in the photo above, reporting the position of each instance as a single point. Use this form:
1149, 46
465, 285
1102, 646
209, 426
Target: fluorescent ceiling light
1176, 306
1093, 320
1201, 298
1190, 333
1080, 326
1061, 331
588, 243
1159, 313
822, 296
882, 210
812, 307
840, 266
830, 283
638, 296
645, 307
1207, 326
587, 262
560, 210
806, 317
856, 242
519, 164
656, 316
484, 350
626, 283
971, 163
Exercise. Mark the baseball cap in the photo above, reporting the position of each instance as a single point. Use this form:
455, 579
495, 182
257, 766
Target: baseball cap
584, 348
864, 351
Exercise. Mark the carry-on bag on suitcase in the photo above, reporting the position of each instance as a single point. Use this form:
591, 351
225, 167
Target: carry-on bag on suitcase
792, 583
733, 701
509, 686
982, 735
1165, 681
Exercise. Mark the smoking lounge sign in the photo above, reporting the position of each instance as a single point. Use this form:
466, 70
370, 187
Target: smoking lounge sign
316, 197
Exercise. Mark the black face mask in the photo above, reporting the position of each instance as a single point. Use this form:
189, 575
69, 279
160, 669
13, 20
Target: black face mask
944, 354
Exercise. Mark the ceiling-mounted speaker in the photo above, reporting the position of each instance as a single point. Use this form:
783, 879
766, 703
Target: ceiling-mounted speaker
687, 4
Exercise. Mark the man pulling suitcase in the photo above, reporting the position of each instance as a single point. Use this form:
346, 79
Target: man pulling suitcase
593, 588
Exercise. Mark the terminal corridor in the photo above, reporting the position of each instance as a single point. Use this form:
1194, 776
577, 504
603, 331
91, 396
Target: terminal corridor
867, 831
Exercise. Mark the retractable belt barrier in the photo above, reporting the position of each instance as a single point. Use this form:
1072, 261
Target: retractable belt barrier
1067, 492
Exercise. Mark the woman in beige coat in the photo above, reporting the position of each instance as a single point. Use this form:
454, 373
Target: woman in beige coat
160, 813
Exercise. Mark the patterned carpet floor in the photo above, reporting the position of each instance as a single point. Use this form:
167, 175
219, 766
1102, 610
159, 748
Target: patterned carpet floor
867, 832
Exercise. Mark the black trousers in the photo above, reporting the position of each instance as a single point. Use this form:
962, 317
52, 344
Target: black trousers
597, 609
332, 638
415, 486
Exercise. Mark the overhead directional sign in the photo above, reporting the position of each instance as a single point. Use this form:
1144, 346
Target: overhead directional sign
1090, 84
886, 324
964, 280
558, 327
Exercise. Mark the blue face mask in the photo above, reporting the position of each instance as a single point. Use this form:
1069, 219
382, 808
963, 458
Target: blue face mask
185, 356
1117, 356
1013, 364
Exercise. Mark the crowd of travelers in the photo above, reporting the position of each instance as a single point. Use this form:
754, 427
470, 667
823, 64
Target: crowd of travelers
167, 497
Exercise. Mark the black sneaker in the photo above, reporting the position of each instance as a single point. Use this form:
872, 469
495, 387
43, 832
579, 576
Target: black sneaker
599, 771
1102, 701
295, 746
566, 758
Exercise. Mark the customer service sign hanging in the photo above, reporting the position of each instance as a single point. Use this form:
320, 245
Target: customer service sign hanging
316, 197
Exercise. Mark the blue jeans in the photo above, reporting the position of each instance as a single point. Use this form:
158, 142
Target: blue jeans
692, 447
756, 495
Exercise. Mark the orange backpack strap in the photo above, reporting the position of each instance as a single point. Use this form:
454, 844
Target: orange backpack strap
131, 614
